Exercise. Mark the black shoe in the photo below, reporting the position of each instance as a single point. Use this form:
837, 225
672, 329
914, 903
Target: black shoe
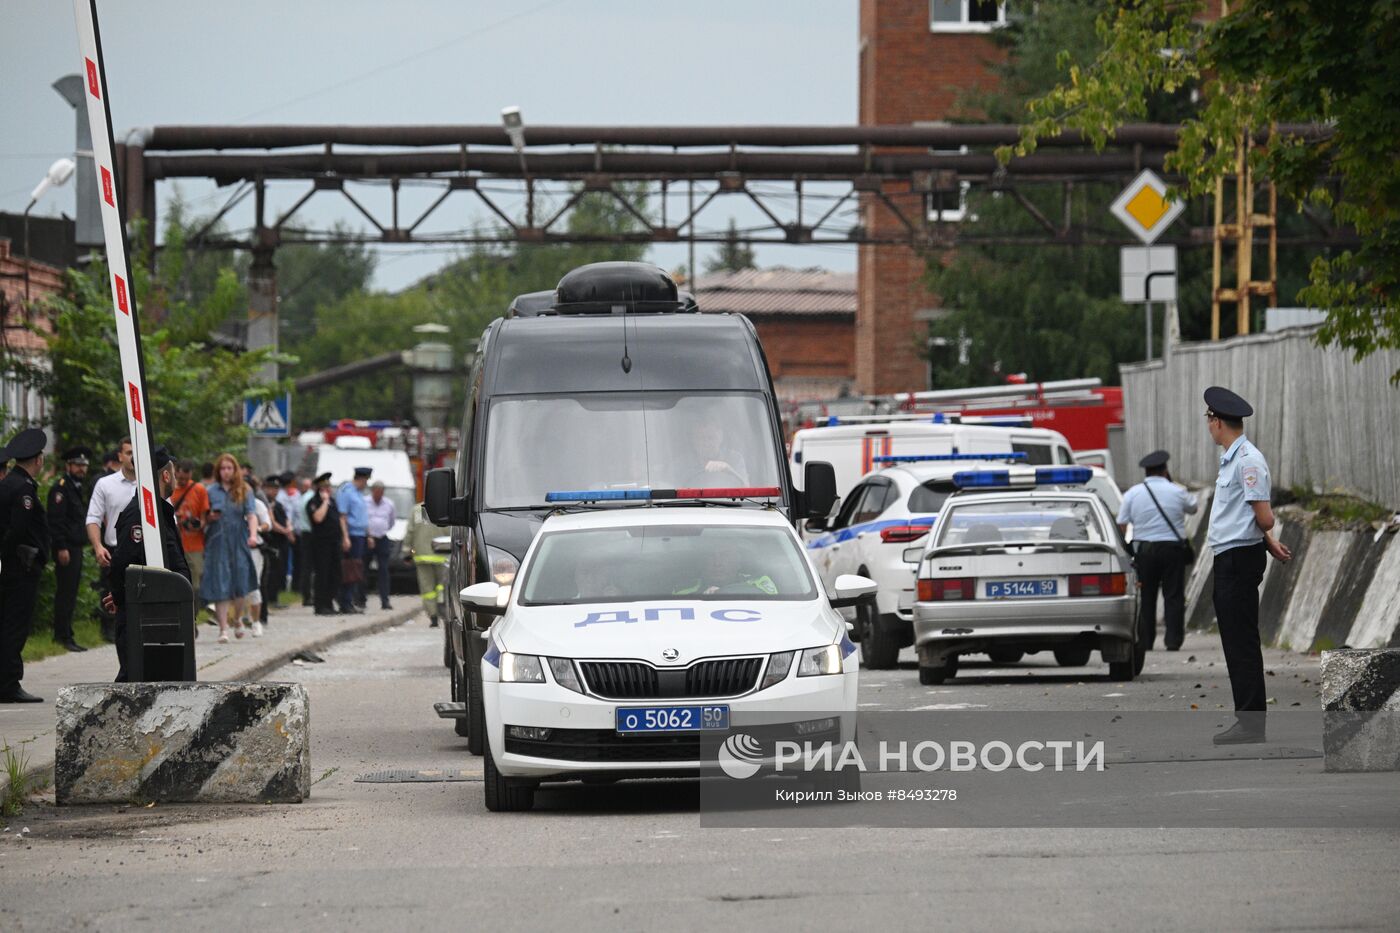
1240, 734
19, 695
1173, 647
326, 612
433, 622
72, 645
385, 605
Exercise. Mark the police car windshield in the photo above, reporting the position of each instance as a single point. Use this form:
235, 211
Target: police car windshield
666, 562
625, 440
1025, 521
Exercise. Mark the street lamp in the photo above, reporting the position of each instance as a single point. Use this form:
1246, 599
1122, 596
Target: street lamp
515, 129
57, 176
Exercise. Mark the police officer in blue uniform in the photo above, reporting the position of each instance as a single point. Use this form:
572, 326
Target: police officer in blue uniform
24, 549
1157, 509
1240, 521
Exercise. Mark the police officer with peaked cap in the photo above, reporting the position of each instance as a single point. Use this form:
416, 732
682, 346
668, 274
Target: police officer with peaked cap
1157, 509
24, 548
1240, 520
131, 547
68, 537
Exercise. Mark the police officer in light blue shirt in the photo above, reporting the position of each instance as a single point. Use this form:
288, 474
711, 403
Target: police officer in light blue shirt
1157, 509
1240, 520
354, 523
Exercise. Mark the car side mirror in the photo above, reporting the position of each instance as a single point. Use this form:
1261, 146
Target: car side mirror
819, 489
816, 524
851, 590
442, 506
912, 555
489, 597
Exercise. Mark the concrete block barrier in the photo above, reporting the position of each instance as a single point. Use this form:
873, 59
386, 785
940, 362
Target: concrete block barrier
183, 742
1361, 710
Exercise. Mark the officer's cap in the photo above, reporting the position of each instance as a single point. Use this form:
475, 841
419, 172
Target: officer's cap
1223, 403
111, 456
28, 443
286, 478
363, 471
1157, 458
77, 455
323, 478
161, 457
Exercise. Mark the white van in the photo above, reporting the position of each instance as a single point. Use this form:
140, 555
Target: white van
852, 448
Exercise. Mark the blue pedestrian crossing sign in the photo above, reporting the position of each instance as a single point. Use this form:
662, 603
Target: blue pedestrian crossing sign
269, 418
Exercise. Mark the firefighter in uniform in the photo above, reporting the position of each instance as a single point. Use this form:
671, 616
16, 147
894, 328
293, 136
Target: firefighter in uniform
1240, 520
429, 564
24, 548
67, 516
131, 548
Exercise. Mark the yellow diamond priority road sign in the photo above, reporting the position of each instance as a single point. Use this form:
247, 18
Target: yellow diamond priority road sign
1143, 207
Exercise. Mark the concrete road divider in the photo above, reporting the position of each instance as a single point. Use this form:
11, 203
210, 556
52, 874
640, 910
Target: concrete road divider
1361, 710
183, 742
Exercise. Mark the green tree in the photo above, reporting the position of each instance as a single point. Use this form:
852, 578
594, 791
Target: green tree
732, 255
310, 275
1265, 63
193, 385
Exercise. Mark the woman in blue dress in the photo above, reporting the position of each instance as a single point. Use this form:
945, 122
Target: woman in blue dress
229, 537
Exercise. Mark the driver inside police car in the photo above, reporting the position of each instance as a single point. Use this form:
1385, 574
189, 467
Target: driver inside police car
723, 573
594, 578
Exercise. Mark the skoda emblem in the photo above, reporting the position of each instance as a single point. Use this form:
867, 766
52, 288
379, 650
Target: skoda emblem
670, 654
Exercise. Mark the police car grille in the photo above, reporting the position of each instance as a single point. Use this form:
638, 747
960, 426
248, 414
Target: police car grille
633, 680
621, 680
722, 678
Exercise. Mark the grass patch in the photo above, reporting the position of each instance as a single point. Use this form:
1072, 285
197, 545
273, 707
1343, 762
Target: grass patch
288, 598
1336, 511
16, 764
86, 632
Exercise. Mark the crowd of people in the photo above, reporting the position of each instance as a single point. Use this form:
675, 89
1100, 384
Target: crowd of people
241, 541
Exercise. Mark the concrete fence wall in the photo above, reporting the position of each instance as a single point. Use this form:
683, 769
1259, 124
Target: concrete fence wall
1320, 418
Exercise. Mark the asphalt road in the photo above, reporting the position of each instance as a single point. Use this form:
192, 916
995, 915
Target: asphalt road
428, 856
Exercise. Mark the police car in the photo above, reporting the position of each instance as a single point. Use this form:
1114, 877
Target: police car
630, 631
1021, 560
889, 510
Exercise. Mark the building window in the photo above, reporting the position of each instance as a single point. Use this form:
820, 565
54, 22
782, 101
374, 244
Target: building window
966, 15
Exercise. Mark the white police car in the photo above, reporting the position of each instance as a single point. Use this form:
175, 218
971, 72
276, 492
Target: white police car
1025, 560
890, 509
629, 631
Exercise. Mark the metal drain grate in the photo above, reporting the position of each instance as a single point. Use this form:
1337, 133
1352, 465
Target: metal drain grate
428, 776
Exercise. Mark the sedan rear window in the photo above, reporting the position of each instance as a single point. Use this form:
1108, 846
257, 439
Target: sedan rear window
1021, 522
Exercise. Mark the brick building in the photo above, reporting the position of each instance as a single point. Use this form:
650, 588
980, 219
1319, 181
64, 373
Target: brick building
916, 57
22, 405
805, 319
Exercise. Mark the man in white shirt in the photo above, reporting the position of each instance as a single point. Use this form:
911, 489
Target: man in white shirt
1157, 508
381, 521
109, 496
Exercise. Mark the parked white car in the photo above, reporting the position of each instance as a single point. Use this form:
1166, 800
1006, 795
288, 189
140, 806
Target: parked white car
629, 631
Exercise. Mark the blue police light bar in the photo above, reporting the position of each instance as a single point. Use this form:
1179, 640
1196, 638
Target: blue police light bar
598, 495
927, 458
1043, 476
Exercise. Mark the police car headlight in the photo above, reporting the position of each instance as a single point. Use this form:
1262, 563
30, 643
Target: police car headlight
778, 667
562, 669
521, 669
823, 660
503, 565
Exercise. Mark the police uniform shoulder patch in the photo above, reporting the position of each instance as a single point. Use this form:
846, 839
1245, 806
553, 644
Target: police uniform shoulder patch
57, 498
1250, 476
136, 534
27, 502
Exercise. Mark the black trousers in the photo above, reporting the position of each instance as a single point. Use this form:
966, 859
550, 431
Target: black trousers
1238, 572
17, 594
303, 569
1161, 567
325, 566
65, 593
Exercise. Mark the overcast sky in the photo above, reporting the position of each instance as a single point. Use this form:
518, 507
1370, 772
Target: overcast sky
427, 61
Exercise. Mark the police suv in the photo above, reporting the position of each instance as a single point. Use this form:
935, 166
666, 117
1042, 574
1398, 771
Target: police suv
889, 510
1026, 559
628, 632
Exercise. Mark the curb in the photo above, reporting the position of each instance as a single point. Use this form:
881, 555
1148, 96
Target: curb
43, 771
